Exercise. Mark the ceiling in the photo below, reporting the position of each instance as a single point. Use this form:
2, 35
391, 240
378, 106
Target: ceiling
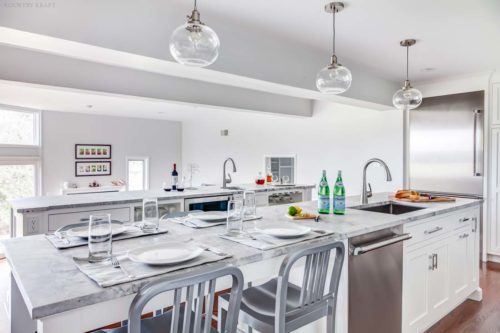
455, 37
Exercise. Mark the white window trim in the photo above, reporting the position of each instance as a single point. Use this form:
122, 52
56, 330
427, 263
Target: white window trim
294, 156
37, 124
146, 169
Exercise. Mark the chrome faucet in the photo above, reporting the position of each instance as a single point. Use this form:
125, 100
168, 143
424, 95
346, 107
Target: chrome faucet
227, 180
367, 193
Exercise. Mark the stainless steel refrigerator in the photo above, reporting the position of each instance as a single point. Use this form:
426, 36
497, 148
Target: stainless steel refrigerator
445, 152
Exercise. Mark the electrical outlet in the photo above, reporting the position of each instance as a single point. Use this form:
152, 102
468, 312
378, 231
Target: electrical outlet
33, 224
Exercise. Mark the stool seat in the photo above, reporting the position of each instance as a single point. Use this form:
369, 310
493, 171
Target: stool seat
158, 324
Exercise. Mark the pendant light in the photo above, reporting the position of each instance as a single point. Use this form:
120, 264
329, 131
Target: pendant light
407, 98
334, 78
194, 43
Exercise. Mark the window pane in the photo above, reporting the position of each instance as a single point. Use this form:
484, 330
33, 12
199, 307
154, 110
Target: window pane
17, 128
16, 181
135, 175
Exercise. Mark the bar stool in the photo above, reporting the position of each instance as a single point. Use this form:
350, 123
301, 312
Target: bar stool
279, 306
186, 315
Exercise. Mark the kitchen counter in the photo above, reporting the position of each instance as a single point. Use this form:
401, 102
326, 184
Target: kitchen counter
45, 203
50, 283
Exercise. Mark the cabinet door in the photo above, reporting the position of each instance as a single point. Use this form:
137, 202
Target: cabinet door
439, 282
461, 261
416, 268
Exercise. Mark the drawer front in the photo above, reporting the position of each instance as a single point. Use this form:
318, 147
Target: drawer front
429, 229
467, 217
58, 220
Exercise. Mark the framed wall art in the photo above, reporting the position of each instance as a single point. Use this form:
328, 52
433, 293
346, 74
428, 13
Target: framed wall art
92, 168
92, 151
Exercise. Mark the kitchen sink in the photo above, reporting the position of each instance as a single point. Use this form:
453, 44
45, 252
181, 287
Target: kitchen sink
388, 208
237, 188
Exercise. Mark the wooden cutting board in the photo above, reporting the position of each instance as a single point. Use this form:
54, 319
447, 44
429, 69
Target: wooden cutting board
426, 199
310, 217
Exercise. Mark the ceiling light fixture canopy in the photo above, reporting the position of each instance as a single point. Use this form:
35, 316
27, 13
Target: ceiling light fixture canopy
407, 98
334, 78
194, 43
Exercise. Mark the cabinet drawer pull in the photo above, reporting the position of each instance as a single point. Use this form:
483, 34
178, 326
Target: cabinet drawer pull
464, 219
464, 236
436, 229
475, 224
436, 264
431, 264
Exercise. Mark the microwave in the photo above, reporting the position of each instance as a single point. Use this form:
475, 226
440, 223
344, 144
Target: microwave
208, 204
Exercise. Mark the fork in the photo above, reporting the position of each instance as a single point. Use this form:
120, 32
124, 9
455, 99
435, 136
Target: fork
116, 264
62, 236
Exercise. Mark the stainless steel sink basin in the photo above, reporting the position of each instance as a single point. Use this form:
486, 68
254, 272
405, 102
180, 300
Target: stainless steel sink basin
233, 188
392, 208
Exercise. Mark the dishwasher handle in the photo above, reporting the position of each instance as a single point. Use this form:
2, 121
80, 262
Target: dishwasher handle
357, 250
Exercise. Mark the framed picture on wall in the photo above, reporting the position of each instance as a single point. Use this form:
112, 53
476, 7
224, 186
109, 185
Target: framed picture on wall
92, 168
92, 151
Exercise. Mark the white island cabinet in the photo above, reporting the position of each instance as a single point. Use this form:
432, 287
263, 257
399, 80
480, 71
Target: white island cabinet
440, 267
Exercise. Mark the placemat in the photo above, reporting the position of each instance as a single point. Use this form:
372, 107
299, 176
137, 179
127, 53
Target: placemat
61, 241
105, 275
265, 242
199, 224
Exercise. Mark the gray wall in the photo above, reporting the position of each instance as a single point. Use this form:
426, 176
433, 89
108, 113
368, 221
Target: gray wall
159, 140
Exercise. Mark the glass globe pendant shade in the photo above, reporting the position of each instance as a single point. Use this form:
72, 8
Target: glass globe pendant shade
333, 79
194, 45
407, 98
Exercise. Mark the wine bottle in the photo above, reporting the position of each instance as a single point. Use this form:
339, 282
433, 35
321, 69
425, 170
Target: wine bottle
324, 195
339, 196
175, 178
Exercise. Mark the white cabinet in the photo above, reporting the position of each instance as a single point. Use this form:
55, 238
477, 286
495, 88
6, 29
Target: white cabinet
495, 103
494, 204
440, 269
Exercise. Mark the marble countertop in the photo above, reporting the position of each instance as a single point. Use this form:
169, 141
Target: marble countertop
51, 283
44, 203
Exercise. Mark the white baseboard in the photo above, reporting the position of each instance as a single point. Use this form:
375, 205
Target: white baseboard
477, 295
494, 257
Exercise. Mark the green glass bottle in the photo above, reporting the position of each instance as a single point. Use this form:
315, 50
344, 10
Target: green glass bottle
324, 195
339, 196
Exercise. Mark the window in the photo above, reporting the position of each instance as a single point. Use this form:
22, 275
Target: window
282, 167
19, 127
137, 173
18, 179
19, 159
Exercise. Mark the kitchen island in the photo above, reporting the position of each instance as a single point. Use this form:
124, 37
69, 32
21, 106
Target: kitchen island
48, 288
44, 214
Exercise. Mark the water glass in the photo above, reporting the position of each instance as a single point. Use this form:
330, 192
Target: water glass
235, 217
100, 237
249, 205
150, 220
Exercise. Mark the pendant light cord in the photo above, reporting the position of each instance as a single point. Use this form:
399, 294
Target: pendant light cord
333, 15
195, 4
407, 61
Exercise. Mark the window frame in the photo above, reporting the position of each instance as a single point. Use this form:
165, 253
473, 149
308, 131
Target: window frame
37, 127
145, 175
292, 156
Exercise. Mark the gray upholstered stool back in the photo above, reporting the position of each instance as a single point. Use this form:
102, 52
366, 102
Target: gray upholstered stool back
315, 291
188, 316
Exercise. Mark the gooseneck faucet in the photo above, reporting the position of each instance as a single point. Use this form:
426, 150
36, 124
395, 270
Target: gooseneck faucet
367, 192
227, 180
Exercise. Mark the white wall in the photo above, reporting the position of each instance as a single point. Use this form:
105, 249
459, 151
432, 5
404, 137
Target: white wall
336, 137
159, 140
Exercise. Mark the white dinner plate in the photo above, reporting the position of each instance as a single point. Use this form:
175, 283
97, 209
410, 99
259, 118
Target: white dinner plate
210, 216
83, 232
285, 230
165, 253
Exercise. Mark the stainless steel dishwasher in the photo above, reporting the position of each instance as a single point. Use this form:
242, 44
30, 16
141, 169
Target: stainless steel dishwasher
376, 281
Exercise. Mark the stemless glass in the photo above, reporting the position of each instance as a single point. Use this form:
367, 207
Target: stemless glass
150, 220
235, 217
100, 237
249, 205
286, 179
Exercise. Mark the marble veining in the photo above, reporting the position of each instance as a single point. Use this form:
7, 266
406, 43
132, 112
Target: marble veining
51, 283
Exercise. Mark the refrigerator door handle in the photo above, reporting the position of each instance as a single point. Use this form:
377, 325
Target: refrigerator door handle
477, 171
